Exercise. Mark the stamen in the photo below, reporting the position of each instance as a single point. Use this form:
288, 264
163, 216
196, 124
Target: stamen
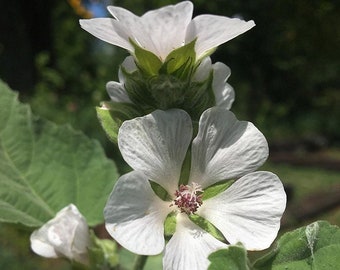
188, 198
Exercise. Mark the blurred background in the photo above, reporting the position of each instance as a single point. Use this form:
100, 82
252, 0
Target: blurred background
285, 73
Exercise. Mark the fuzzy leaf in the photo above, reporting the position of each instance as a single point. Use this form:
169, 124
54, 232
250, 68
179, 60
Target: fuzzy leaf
314, 247
232, 258
44, 167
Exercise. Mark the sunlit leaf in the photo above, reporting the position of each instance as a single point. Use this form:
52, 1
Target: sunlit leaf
44, 167
316, 246
232, 258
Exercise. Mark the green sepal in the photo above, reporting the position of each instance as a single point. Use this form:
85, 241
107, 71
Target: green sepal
138, 89
181, 62
185, 171
232, 258
215, 189
158, 92
146, 61
166, 91
170, 225
111, 115
160, 191
316, 246
103, 253
207, 226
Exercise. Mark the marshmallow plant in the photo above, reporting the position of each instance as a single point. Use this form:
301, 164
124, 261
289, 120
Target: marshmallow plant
194, 195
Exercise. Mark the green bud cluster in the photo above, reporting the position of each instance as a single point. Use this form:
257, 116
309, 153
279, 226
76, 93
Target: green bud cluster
157, 84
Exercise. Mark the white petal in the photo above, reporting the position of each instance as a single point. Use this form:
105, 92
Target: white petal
41, 246
108, 30
213, 30
166, 27
133, 25
225, 148
156, 145
129, 65
189, 247
249, 211
117, 92
134, 215
203, 70
224, 93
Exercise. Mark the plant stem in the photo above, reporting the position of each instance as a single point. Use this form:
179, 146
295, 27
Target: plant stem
140, 262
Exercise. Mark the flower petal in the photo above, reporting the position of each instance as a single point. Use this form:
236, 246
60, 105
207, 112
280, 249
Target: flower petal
134, 215
156, 145
117, 92
212, 31
225, 148
108, 30
41, 246
189, 247
133, 25
224, 92
166, 27
203, 70
129, 65
249, 211
159, 31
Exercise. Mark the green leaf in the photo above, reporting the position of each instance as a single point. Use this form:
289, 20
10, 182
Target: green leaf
314, 247
111, 115
44, 167
232, 258
148, 62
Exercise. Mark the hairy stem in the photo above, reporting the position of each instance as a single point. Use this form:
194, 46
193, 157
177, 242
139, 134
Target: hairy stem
140, 262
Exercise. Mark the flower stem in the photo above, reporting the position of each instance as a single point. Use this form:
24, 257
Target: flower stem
140, 262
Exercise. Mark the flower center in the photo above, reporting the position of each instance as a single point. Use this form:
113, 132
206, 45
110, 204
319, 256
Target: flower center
188, 198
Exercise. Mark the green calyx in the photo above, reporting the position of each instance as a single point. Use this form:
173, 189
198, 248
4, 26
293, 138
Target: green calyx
180, 63
166, 91
103, 253
159, 85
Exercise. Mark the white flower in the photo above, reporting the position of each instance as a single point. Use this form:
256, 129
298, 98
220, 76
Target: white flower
155, 146
66, 235
224, 92
163, 30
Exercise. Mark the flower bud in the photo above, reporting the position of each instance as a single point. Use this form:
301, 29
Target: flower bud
66, 235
